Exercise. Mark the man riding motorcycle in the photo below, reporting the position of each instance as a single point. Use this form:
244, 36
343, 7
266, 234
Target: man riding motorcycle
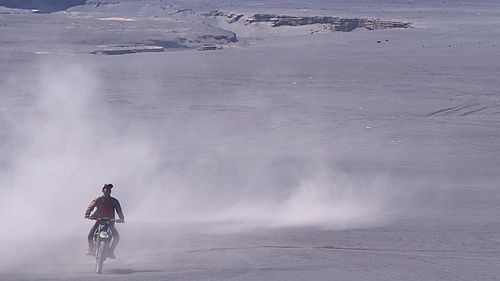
105, 208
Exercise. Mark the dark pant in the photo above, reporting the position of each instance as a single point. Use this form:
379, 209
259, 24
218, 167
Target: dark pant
116, 236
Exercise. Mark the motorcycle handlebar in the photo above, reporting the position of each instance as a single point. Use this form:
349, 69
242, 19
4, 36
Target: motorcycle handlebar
112, 220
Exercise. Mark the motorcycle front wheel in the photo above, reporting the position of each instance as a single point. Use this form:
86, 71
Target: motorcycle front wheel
99, 257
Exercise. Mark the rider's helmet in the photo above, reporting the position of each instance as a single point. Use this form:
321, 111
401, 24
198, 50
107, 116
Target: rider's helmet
107, 186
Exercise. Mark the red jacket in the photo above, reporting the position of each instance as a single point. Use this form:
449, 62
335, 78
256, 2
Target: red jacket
105, 208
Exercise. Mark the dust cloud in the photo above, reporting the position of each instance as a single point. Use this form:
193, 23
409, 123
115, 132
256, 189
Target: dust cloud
66, 139
61, 152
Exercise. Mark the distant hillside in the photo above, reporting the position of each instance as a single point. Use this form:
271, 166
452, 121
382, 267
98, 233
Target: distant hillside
45, 6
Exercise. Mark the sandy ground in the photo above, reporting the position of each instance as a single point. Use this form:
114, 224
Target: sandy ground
284, 156
385, 253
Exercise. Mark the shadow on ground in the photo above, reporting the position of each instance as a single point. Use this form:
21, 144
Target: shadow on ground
130, 271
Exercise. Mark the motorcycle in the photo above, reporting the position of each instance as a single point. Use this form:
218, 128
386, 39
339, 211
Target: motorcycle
102, 241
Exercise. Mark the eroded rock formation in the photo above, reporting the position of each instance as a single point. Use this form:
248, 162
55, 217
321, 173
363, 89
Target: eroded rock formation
337, 23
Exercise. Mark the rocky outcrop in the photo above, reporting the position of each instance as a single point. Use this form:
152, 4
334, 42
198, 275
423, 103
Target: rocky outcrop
230, 17
221, 38
214, 13
184, 11
126, 49
336, 23
99, 3
210, 48
339, 24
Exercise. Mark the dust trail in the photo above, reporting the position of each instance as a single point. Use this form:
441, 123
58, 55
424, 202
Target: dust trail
63, 145
69, 137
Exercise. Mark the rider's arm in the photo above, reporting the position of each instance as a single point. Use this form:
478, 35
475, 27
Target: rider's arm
119, 211
90, 208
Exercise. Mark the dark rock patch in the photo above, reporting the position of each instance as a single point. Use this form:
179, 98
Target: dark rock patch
44, 6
